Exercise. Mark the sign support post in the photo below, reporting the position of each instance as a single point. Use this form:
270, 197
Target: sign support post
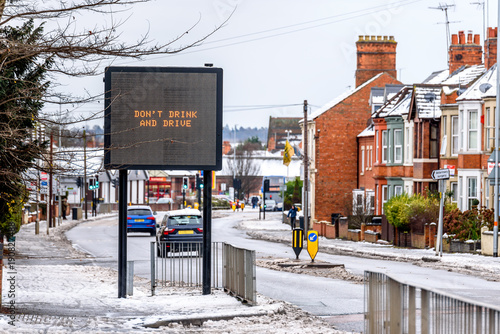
207, 231
442, 175
122, 234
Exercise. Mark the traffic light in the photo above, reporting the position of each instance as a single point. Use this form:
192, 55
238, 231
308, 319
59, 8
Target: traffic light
185, 181
266, 185
199, 182
79, 182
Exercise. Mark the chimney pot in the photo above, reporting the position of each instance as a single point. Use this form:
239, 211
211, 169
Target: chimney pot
379, 38
461, 37
391, 38
454, 39
385, 38
477, 39
469, 38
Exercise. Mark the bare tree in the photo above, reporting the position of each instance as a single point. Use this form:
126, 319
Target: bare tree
245, 168
41, 42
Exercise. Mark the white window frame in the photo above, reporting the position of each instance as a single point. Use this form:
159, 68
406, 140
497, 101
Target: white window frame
461, 125
460, 193
489, 127
377, 147
472, 191
385, 145
444, 138
454, 189
384, 195
398, 190
398, 147
362, 160
472, 116
370, 158
454, 136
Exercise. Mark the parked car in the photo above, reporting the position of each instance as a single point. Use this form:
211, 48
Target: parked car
269, 205
140, 218
279, 207
164, 200
180, 230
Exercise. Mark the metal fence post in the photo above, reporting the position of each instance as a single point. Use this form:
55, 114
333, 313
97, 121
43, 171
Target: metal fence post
130, 278
153, 267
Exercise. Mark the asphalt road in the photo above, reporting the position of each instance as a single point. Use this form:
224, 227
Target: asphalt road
340, 302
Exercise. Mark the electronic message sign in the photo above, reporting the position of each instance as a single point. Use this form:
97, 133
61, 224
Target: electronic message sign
163, 118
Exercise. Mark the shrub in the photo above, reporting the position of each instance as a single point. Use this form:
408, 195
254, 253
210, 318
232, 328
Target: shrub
467, 225
411, 212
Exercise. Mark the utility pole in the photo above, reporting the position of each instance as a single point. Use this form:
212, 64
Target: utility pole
85, 173
50, 212
497, 142
306, 175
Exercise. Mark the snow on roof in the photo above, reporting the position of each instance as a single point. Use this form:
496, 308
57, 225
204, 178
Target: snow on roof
484, 87
368, 132
341, 98
464, 75
428, 100
399, 104
437, 77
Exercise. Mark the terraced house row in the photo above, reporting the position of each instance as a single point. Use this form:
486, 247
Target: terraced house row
383, 137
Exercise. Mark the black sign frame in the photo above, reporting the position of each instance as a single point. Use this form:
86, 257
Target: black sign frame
216, 139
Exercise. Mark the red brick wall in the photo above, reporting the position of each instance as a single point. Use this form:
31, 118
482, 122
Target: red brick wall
490, 48
336, 149
472, 161
465, 50
375, 54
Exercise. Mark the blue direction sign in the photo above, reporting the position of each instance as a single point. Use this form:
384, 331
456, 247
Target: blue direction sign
44, 183
312, 244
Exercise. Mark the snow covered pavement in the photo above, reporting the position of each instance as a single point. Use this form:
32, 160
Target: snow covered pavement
57, 289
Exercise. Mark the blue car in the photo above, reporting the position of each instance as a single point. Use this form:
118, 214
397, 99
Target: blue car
140, 218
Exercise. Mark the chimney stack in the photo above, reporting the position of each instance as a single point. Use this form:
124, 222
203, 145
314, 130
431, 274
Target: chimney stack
490, 48
375, 54
464, 53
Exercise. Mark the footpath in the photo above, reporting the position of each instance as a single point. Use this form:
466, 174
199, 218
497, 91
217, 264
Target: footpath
51, 287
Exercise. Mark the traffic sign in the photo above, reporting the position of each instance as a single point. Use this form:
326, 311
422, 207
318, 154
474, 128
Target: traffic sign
440, 174
297, 236
312, 244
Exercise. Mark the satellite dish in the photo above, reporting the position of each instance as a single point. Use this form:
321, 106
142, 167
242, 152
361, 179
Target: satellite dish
430, 97
484, 87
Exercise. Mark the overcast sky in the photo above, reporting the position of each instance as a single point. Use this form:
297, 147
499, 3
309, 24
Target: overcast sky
277, 53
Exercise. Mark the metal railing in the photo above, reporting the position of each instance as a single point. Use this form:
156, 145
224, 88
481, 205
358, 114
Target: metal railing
239, 273
398, 307
180, 264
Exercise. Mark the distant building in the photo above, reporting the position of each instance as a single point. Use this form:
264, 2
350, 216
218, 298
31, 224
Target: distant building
281, 128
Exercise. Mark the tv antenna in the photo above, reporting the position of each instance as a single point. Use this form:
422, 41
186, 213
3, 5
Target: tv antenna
444, 7
483, 5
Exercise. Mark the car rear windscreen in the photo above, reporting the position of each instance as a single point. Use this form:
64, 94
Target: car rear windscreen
184, 220
139, 212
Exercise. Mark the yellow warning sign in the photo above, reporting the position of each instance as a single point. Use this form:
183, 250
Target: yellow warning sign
312, 244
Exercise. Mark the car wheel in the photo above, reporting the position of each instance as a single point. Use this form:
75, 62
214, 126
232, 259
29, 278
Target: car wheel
152, 233
160, 253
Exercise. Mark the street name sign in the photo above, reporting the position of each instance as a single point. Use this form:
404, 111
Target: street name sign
440, 174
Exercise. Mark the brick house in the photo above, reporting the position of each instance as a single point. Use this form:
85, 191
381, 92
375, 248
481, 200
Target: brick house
333, 129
